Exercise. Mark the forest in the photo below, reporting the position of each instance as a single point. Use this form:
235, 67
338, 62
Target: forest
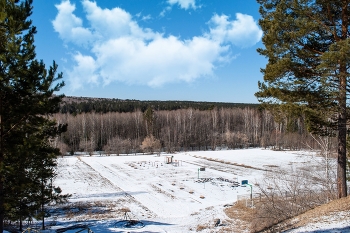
75, 105
183, 129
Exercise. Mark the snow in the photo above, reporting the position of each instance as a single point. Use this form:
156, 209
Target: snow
164, 197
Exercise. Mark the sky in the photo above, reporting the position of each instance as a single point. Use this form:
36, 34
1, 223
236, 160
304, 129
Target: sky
195, 50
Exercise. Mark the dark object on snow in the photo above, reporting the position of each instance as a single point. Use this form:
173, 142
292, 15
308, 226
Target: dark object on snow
217, 222
129, 223
74, 227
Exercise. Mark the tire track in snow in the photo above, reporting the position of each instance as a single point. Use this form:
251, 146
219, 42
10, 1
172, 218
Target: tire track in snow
108, 180
80, 175
147, 198
95, 176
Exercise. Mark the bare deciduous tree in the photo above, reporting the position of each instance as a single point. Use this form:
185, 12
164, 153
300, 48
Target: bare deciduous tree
151, 144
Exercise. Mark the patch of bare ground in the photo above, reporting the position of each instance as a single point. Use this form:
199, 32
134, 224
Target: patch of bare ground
88, 210
221, 226
337, 209
202, 227
240, 216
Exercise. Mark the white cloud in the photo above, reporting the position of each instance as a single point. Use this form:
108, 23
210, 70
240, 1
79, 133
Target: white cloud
242, 32
83, 72
143, 17
164, 60
69, 26
111, 23
185, 4
122, 51
146, 17
164, 11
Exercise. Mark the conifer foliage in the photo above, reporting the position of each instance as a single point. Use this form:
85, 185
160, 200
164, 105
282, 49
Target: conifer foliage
308, 49
27, 161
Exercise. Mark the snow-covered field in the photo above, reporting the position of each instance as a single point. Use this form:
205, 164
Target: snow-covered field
164, 197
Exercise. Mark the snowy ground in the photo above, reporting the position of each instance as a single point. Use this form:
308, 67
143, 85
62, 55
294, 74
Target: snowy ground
164, 197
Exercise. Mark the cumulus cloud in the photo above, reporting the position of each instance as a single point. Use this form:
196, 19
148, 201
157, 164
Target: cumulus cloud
161, 61
242, 32
122, 51
69, 26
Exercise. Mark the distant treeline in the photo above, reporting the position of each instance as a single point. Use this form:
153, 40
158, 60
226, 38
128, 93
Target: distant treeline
77, 105
131, 126
180, 130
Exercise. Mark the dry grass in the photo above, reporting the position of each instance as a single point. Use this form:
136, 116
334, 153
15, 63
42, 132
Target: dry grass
337, 205
70, 215
246, 216
201, 227
80, 211
316, 214
124, 210
242, 214
274, 166
228, 162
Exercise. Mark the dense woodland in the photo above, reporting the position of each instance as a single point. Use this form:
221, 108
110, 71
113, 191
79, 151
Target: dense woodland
76, 105
184, 129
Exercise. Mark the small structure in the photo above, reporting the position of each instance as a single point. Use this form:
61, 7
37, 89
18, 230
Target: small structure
168, 159
176, 163
202, 169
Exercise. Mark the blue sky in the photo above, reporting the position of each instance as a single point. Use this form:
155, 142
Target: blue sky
197, 50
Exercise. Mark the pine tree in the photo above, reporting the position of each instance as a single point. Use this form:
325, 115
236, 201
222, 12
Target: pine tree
43, 171
19, 188
26, 102
308, 49
148, 117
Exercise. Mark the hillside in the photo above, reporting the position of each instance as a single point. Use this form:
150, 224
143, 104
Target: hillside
331, 217
75, 105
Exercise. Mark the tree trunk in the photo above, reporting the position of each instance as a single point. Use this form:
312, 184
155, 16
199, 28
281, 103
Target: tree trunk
2, 194
341, 171
2, 202
20, 224
43, 220
43, 204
